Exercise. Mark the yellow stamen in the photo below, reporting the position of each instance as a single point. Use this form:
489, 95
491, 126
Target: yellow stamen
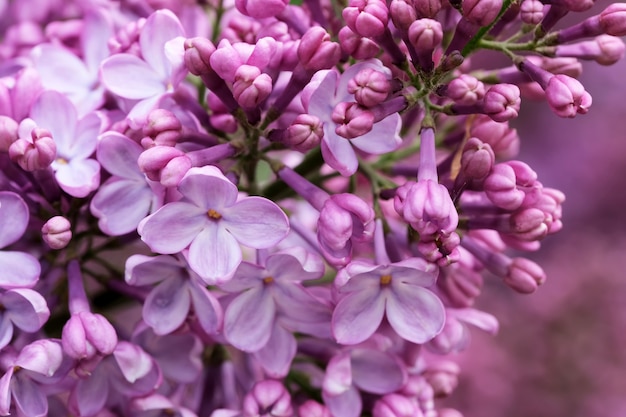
385, 280
268, 280
214, 214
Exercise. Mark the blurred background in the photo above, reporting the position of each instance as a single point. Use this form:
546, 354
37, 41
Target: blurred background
561, 352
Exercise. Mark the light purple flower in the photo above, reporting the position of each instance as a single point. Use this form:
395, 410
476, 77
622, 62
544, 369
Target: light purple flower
158, 73
338, 152
18, 269
167, 306
211, 224
395, 291
128, 196
76, 173
23, 308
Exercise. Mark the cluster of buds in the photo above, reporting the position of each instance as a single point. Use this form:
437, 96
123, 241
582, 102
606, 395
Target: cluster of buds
294, 204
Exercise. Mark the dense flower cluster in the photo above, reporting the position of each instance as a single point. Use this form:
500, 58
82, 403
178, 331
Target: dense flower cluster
267, 208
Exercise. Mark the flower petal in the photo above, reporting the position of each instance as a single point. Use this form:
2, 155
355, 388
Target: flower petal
172, 227
13, 217
130, 77
248, 320
167, 305
207, 308
276, 356
358, 315
118, 155
29, 398
415, 313
214, 254
55, 112
161, 26
6, 333
90, 394
377, 372
79, 177
338, 152
384, 136
26, 308
208, 188
256, 222
18, 270
147, 270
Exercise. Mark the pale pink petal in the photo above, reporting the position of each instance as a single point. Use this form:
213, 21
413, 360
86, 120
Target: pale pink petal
132, 361
85, 140
19, 270
276, 356
13, 217
6, 334
256, 222
338, 152
338, 377
161, 26
248, 320
43, 356
208, 188
347, 404
377, 372
29, 398
54, 63
78, 177
90, 394
130, 77
53, 111
5, 392
322, 100
384, 136
357, 316
167, 306
415, 313
206, 307
246, 276
147, 270
172, 227
214, 254
480, 319
288, 268
26, 308
96, 33
118, 155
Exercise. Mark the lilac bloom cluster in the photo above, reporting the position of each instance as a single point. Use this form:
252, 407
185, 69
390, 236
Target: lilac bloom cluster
269, 208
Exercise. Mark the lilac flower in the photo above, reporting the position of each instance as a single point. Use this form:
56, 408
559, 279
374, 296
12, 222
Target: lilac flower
19, 269
76, 139
211, 224
395, 291
39, 363
338, 151
167, 305
158, 73
54, 63
127, 197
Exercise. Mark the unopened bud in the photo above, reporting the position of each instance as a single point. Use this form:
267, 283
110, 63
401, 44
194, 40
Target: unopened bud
57, 232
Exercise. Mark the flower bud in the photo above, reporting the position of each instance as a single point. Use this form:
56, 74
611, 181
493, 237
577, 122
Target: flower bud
251, 86
425, 35
503, 139
477, 160
267, 397
35, 153
197, 56
528, 224
395, 405
427, 8
443, 377
370, 87
163, 127
481, 12
86, 335
312, 408
165, 164
57, 232
502, 102
524, 275
8, 132
613, 19
367, 18
567, 96
429, 208
402, 14
573, 5
356, 45
316, 51
465, 89
531, 12
501, 187
352, 119
260, 9
305, 133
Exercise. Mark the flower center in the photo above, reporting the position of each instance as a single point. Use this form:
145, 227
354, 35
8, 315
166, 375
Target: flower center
385, 279
213, 214
268, 280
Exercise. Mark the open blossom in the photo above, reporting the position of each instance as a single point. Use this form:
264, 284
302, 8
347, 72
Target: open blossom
339, 152
210, 222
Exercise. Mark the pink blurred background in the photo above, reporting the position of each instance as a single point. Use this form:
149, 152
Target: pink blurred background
562, 351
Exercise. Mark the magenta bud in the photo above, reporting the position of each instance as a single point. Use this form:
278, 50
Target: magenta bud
402, 14
260, 9
427, 8
367, 18
312, 408
86, 335
501, 187
316, 51
198, 53
356, 45
481, 12
465, 89
165, 164
528, 224
531, 12
163, 127
429, 208
611, 48
57, 232
613, 19
566, 96
425, 34
8, 132
524, 275
267, 397
502, 102
34, 154
503, 139
305, 133
396, 405
441, 248
251, 86
477, 159
370, 87
352, 119
443, 376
